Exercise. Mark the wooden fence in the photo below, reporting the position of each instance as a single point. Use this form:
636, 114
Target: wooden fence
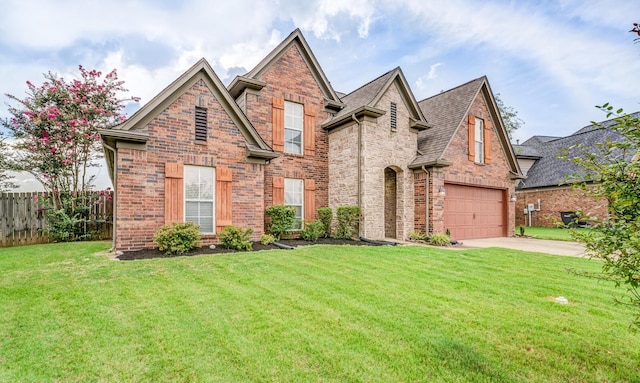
23, 220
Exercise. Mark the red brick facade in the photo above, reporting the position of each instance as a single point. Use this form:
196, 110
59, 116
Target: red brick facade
494, 173
141, 173
290, 78
554, 200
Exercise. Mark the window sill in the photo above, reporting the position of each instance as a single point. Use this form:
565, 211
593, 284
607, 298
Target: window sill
293, 155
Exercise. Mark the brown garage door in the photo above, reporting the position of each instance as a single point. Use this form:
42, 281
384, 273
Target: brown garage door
474, 212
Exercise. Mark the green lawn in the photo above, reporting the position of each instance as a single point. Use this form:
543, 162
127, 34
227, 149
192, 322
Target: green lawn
315, 314
557, 233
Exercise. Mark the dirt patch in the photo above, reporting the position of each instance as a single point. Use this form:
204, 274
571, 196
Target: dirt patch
219, 249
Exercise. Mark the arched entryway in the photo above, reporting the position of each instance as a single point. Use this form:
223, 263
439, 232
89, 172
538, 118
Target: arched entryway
390, 203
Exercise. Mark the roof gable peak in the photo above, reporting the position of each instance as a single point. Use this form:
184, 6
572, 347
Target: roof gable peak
296, 38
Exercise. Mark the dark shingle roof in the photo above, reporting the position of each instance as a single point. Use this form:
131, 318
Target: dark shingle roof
363, 95
526, 151
444, 112
550, 170
539, 140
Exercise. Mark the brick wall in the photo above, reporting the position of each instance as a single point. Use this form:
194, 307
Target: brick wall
553, 201
141, 178
290, 78
383, 148
494, 174
420, 201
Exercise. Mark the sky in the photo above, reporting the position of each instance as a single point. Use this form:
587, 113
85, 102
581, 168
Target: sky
552, 61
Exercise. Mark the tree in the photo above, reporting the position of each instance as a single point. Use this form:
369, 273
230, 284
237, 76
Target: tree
56, 132
509, 116
614, 171
5, 178
56, 128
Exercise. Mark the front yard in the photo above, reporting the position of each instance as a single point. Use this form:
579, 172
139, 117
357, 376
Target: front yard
319, 313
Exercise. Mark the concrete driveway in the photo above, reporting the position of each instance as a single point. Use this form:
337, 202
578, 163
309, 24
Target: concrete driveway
572, 249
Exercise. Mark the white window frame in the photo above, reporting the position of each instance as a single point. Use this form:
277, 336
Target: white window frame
479, 140
202, 172
289, 184
293, 121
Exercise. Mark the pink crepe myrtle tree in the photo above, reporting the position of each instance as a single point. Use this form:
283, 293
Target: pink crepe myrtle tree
56, 128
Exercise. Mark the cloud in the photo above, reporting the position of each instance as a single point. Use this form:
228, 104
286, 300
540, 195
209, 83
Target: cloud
421, 82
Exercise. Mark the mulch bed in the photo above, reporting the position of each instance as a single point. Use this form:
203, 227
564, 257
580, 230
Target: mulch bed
219, 249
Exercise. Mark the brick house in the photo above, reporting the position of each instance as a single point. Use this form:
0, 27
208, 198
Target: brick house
281, 134
547, 184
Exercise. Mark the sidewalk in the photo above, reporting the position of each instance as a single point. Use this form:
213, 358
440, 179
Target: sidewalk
572, 249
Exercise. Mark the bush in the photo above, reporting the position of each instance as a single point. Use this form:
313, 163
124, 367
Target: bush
267, 239
325, 216
178, 237
233, 237
311, 231
348, 220
282, 219
439, 240
417, 236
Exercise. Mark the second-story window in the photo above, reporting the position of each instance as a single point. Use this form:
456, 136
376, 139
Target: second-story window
479, 140
293, 125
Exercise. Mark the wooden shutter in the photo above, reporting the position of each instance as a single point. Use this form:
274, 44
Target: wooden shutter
224, 193
487, 143
472, 138
309, 130
278, 124
309, 200
173, 192
278, 190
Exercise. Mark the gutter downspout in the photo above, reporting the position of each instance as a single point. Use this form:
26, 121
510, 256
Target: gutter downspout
426, 197
359, 184
115, 183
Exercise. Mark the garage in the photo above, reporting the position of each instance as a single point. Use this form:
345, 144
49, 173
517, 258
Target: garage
474, 212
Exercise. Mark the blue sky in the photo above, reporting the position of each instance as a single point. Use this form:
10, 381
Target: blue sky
552, 61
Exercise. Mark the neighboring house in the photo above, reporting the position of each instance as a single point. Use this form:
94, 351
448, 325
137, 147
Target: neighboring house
281, 134
547, 185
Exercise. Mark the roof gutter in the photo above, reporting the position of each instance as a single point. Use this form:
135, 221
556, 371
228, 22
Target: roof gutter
439, 163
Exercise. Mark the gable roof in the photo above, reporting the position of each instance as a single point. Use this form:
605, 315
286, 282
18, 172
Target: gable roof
549, 170
135, 128
254, 77
365, 99
446, 112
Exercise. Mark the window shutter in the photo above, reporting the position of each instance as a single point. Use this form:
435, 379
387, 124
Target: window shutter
224, 192
472, 138
309, 130
278, 124
278, 190
487, 143
309, 200
173, 192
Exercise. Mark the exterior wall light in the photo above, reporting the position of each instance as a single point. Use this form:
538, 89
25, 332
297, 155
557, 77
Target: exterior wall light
513, 197
441, 191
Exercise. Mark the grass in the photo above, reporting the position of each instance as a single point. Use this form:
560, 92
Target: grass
319, 313
556, 233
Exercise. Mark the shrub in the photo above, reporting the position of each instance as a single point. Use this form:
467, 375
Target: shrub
325, 216
522, 231
448, 233
178, 237
439, 240
267, 239
311, 231
417, 236
233, 237
282, 219
348, 219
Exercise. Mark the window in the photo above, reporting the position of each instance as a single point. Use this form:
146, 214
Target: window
201, 124
199, 198
294, 196
293, 122
393, 116
479, 140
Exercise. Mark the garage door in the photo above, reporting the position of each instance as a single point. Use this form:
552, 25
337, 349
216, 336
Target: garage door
474, 212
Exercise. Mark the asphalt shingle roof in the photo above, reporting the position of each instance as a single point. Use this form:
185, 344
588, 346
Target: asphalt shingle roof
364, 95
444, 112
550, 170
